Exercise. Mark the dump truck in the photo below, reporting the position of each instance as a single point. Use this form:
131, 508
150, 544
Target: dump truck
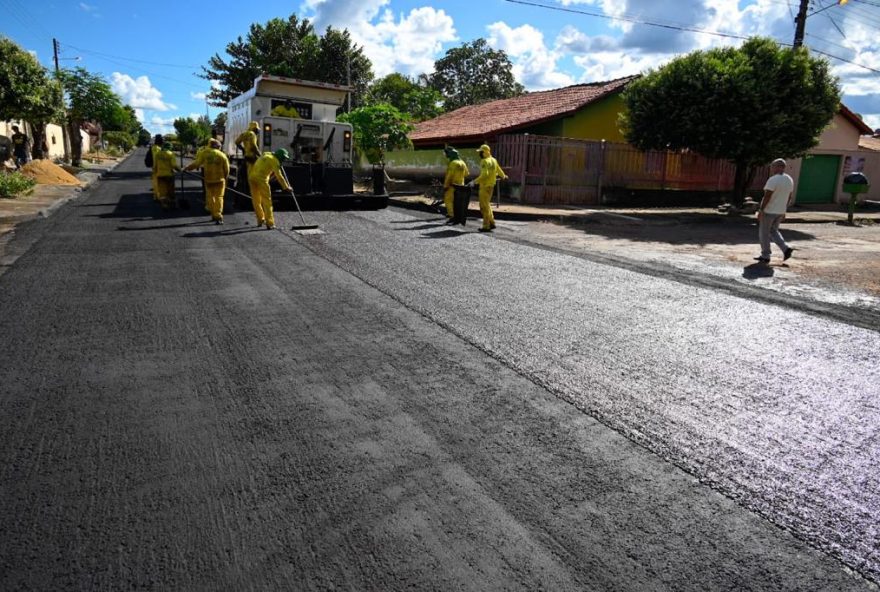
299, 116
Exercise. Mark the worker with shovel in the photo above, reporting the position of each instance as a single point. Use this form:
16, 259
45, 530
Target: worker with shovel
215, 167
268, 165
489, 171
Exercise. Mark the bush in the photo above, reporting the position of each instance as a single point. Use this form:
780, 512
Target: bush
11, 184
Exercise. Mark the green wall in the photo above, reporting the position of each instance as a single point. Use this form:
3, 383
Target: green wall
597, 121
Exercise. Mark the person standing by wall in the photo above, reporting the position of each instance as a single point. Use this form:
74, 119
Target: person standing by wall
268, 165
21, 147
215, 167
456, 171
489, 171
777, 197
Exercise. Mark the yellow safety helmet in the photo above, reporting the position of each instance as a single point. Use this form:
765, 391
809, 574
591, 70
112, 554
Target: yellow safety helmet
254, 126
484, 148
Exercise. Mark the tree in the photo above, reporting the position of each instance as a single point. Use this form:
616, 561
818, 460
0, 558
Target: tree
407, 95
747, 105
474, 73
193, 132
90, 98
377, 129
288, 48
27, 92
218, 128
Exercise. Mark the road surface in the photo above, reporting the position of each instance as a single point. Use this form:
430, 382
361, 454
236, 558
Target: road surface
391, 404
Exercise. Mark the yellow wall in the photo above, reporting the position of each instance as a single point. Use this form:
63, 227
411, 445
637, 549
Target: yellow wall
597, 121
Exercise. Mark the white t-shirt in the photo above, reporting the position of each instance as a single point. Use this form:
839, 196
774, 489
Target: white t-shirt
781, 185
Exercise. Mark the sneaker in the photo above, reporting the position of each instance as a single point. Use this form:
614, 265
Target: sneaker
485, 230
270, 226
450, 222
763, 260
259, 223
787, 254
492, 226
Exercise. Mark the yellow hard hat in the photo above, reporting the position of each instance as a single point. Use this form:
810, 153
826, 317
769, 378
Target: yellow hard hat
484, 148
254, 126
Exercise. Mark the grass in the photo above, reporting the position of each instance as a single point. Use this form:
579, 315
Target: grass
14, 183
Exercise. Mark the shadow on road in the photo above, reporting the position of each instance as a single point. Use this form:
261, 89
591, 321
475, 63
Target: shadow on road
418, 220
216, 233
757, 270
165, 226
444, 234
694, 230
423, 227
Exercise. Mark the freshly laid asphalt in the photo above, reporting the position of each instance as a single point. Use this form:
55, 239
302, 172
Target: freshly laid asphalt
392, 404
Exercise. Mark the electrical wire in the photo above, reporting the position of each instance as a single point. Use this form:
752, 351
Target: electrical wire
675, 27
107, 55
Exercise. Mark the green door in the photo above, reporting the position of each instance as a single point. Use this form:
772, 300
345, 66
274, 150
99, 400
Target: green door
818, 180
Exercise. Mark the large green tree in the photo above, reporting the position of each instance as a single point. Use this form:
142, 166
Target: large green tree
27, 92
407, 95
193, 132
89, 98
474, 73
377, 129
747, 105
288, 47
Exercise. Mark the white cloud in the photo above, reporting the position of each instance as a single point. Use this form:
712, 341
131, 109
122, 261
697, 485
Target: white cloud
534, 65
408, 43
87, 7
138, 92
160, 124
139, 115
198, 96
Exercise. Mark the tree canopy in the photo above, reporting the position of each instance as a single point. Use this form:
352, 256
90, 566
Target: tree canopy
89, 98
474, 73
289, 47
377, 129
747, 105
420, 102
27, 91
193, 132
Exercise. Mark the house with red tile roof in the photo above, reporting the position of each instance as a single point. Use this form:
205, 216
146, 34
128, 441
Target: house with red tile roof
584, 111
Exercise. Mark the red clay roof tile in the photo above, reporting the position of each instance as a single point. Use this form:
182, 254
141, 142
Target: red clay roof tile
494, 117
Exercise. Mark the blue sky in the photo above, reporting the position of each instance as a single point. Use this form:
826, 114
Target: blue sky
150, 51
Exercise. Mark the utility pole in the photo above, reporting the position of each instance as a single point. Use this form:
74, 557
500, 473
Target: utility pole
800, 23
64, 123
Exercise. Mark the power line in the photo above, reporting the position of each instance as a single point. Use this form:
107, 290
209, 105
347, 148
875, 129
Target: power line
107, 55
675, 27
631, 19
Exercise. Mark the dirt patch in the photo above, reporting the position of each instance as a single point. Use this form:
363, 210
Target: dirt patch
830, 253
46, 172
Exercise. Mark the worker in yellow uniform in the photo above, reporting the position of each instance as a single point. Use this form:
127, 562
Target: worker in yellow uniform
156, 148
285, 110
166, 165
456, 171
489, 171
247, 143
215, 170
268, 165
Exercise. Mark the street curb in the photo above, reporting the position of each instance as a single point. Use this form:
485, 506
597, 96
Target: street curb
88, 178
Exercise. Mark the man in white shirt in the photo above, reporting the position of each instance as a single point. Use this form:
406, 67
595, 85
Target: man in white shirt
777, 197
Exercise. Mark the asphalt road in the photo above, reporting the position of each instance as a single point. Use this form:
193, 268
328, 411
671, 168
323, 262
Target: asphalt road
394, 405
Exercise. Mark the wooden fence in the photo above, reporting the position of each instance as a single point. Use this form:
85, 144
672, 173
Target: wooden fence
553, 170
